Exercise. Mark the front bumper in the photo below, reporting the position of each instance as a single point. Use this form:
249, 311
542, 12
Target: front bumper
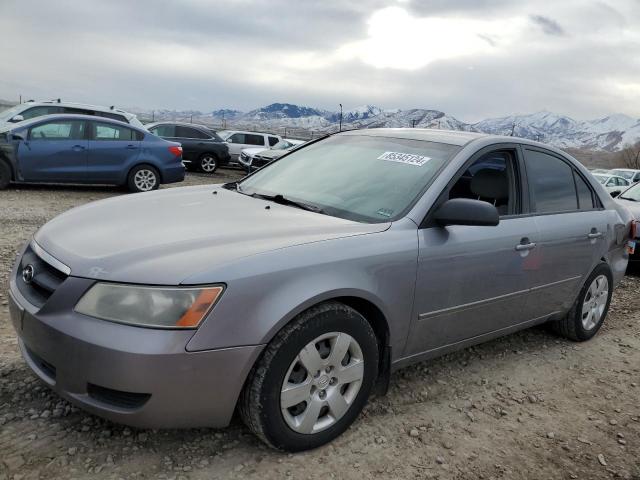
136, 376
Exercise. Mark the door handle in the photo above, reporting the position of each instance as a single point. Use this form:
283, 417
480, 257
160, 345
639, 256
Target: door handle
593, 235
525, 246
77, 148
132, 147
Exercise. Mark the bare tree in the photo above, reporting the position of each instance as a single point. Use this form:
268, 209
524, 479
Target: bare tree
630, 155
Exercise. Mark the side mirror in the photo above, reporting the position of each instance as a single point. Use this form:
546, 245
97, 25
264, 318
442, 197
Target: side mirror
229, 140
465, 211
17, 118
615, 194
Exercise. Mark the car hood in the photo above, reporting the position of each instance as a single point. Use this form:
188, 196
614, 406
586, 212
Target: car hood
166, 236
273, 154
253, 151
633, 207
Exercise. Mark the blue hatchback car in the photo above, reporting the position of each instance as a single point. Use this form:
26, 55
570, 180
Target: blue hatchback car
87, 150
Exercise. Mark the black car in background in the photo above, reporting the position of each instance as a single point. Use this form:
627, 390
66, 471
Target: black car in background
202, 148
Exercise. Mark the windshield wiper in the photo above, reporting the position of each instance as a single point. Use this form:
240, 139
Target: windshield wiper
628, 198
282, 200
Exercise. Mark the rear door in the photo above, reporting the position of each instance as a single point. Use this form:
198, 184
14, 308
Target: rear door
193, 141
572, 227
113, 149
55, 151
240, 141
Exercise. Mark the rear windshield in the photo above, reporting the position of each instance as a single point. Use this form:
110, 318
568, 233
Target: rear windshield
364, 178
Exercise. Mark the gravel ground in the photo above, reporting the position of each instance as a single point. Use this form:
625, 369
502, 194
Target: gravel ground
530, 405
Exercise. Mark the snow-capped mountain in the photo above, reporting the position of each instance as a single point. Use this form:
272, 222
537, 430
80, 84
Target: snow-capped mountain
610, 133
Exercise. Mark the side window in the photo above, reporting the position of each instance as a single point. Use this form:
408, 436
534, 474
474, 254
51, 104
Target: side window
188, 132
585, 196
109, 131
623, 182
58, 130
612, 182
257, 140
272, 141
40, 111
551, 183
492, 179
164, 130
237, 138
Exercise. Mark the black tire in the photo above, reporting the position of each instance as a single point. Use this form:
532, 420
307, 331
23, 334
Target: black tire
259, 403
571, 326
208, 163
5, 174
135, 185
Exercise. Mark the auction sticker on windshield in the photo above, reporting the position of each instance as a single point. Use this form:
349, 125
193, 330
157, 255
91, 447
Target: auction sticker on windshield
407, 158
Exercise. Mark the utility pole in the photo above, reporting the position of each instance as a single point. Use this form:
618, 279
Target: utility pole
20, 98
340, 117
413, 123
513, 128
153, 115
191, 119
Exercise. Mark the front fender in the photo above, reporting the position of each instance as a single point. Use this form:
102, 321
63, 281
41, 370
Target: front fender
267, 291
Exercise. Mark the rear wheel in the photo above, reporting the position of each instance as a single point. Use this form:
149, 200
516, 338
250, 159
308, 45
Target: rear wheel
312, 380
208, 163
143, 178
590, 309
5, 175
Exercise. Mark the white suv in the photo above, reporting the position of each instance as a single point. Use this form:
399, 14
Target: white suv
239, 140
31, 109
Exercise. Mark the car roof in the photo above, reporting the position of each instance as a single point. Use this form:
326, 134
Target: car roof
452, 137
182, 124
247, 131
98, 108
625, 170
77, 116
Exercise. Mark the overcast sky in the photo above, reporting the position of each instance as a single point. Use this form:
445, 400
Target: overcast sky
470, 58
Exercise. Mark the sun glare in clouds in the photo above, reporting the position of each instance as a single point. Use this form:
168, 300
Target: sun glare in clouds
398, 40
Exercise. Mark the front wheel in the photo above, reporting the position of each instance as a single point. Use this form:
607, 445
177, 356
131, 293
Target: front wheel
590, 309
312, 380
143, 178
208, 163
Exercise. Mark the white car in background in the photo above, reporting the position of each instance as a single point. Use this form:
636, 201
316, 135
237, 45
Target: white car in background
614, 184
248, 155
239, 140
630, 174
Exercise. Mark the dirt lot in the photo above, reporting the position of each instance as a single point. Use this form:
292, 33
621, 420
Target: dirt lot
526, 406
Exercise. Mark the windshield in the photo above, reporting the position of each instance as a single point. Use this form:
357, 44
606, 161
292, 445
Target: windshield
282, 145
632, 193
601, 178
357, 177
624, 174
9, 113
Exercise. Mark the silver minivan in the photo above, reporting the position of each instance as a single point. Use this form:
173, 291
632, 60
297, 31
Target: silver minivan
293, 294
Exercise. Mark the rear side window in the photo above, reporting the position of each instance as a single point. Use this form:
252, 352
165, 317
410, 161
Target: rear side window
273, 141
109, 131
164, 130
237, 138
58, 130
40, 111
250, 139
188, 132
585, 196
551, 183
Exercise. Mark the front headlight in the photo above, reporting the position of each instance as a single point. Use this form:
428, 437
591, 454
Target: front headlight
149, 306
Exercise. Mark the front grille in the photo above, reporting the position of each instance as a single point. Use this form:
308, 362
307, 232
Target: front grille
117, 398
46, 278
260, 161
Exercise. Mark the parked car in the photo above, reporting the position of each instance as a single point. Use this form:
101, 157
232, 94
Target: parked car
201, 146
81, 149
254, 158
292, 293
630, 199
612, 183
599, 170
239, 140
630, 174
31, 109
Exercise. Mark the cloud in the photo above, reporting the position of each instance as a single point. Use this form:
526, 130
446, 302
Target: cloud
548, 25
470, 58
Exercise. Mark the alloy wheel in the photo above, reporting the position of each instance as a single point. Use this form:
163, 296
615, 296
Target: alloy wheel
595, 301
208, 164
145, 180
322, 382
